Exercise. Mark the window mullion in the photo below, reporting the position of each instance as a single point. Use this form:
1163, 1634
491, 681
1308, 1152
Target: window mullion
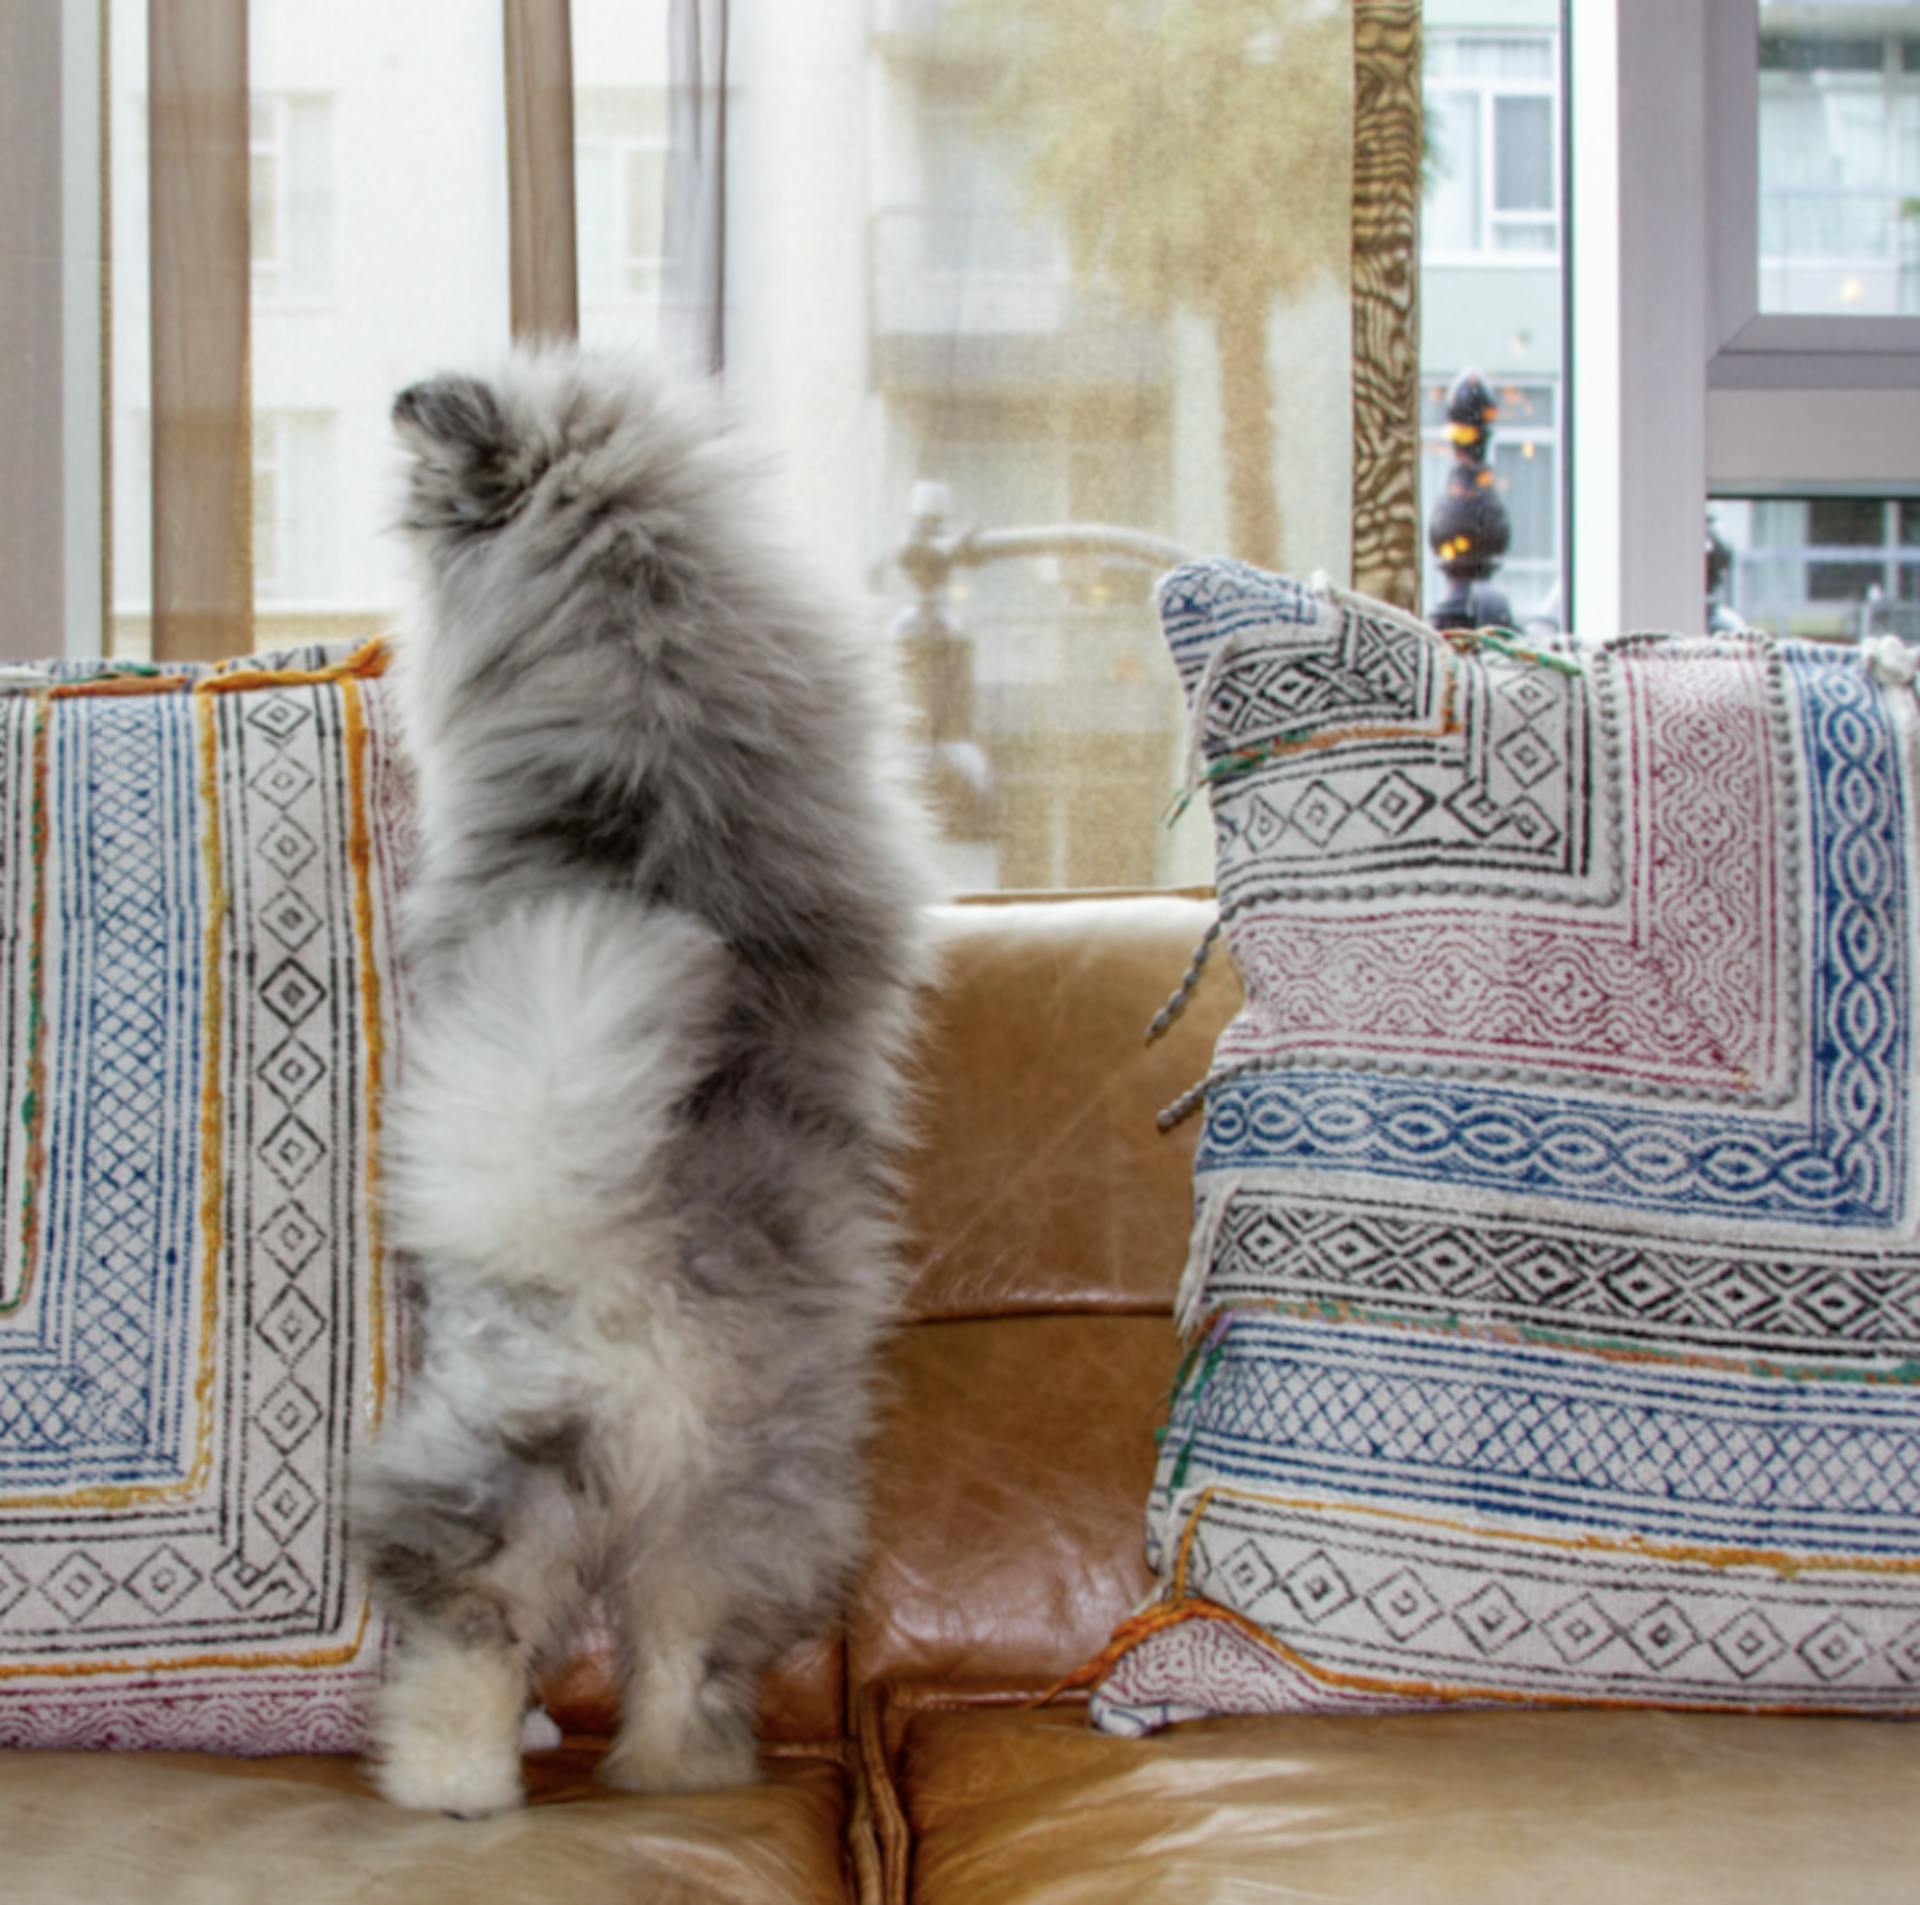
545, 294
201, 287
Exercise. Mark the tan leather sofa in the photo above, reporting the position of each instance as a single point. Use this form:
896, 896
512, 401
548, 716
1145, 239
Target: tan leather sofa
906, 1758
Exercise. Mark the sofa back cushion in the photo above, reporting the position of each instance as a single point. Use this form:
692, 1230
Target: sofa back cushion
197, 875
1048, 1222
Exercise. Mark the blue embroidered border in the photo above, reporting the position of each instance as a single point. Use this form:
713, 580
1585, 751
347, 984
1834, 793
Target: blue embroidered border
97, 1393
1849, 1167
1367, 1413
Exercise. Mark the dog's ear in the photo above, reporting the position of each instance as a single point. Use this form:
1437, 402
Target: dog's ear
467, 467
457, 415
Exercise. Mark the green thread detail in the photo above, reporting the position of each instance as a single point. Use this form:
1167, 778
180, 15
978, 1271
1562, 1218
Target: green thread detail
1199, 1389
1237, 761
1506, 642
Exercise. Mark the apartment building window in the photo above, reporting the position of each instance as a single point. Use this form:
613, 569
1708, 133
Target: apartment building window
1821, 568
1493, 114
1840, 170
620, 160
294, 558
290, 180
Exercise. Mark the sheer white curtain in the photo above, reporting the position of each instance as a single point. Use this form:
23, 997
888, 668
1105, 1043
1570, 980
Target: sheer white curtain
1031, 265
694, 224
1101, 267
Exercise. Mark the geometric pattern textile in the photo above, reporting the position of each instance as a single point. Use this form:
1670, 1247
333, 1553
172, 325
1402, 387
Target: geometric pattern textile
197, 880
1554, 1300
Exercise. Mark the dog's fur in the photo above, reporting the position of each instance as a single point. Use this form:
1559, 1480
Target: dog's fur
663, 953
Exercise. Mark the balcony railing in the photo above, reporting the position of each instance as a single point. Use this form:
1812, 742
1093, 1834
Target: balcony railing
978, 298
978, 273
1839, 248
909, 19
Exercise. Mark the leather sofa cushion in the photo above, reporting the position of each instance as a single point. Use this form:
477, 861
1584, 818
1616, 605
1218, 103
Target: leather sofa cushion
1585, 1808
1041, 1182
1048, 1222
183, 1829
1012, 1465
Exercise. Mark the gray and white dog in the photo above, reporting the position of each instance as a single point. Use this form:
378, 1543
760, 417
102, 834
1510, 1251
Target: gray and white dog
663, 955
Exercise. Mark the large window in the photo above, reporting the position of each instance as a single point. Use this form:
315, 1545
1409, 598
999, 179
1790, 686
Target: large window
958, 267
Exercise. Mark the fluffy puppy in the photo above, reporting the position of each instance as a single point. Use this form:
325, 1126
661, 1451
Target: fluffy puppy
663, 954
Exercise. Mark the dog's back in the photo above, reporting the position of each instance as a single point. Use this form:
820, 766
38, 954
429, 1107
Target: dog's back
666, 942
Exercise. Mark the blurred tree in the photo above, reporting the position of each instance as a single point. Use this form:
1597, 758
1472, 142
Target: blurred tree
1197, 152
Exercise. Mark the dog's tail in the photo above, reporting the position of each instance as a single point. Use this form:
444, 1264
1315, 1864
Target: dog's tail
538, 1092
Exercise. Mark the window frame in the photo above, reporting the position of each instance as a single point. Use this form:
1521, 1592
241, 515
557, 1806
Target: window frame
1683, 388
1755, 349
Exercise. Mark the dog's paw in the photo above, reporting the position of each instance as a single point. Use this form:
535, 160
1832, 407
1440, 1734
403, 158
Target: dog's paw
468, 1778
645, 1766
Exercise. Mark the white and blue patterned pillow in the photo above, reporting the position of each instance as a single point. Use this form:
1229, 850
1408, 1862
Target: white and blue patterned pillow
197, 874
1556, 1280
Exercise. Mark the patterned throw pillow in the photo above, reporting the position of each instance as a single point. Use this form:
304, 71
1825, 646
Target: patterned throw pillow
1555, 1290
197, 872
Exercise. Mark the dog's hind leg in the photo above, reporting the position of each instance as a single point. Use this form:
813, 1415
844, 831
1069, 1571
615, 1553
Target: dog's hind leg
479, 1551
708, 1600
692, 1682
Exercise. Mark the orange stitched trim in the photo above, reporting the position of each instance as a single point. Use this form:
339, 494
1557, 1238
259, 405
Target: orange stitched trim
36, 1158
367, 661
1137, 1628
1180, 1605
82, 1669
1151, 1621
360, 857
1779, 1561
1381, 731
212, 1107
1131, 1633
1185, 1555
